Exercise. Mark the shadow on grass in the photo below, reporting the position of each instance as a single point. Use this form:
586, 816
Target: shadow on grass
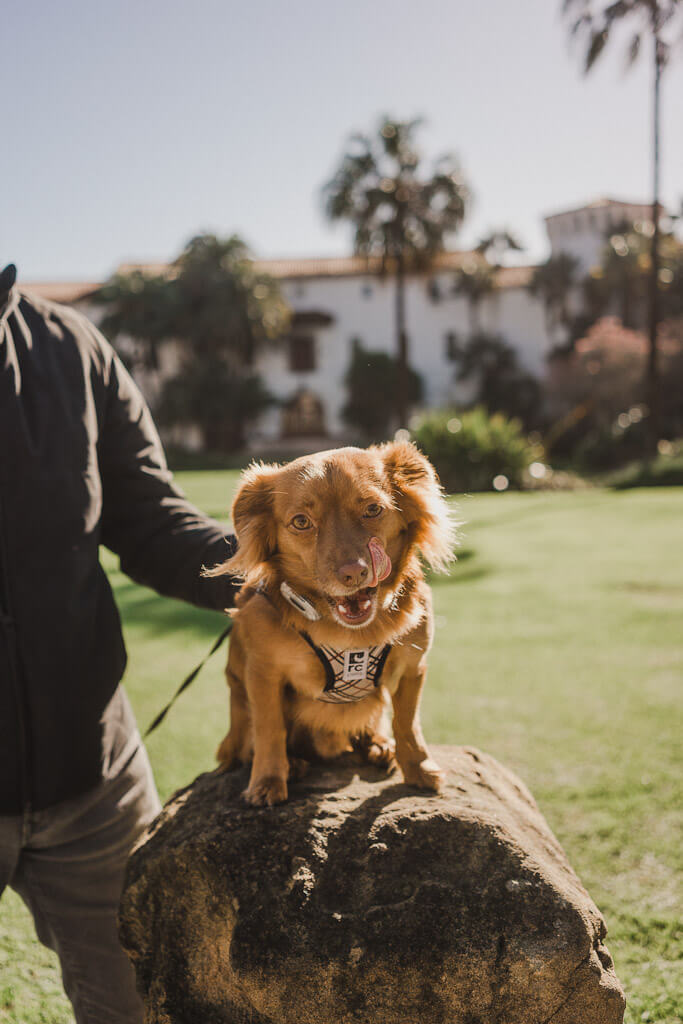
648, 587
458, 573
159, 615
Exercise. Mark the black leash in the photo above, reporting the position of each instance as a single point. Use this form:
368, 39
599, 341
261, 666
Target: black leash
190, 679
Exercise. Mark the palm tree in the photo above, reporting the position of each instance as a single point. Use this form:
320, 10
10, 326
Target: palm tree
400, 217
552, 283
476, 279
496, 245
655, 22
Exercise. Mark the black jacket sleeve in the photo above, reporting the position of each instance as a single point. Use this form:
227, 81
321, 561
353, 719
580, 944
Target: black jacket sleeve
162, 540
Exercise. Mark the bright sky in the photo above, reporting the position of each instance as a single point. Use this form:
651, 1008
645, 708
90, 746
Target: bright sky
129, 126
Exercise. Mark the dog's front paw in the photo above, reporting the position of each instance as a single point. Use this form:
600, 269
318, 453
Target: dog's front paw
425, 774
271, 789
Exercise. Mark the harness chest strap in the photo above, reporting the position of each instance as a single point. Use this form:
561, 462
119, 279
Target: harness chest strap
350, 675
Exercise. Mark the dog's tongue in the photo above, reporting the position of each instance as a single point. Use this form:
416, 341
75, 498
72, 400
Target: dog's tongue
381, 563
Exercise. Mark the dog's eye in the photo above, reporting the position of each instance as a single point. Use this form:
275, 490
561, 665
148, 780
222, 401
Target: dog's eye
373, 510
301, 522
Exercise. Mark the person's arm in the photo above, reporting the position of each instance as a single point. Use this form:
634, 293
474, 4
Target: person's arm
162, 540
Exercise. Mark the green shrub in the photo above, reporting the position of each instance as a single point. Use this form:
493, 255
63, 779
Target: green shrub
502, 385
666, 470
607, 447
471, 449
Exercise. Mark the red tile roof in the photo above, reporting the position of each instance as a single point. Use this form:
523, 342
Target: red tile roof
311, 267
285, 270
60, 291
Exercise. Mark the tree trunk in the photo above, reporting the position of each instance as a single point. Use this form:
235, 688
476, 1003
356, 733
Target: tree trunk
401, 345
475, 323
652, 376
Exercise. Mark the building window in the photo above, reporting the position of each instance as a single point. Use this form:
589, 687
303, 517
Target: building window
366, 290
452, 346
433, 290
301, 353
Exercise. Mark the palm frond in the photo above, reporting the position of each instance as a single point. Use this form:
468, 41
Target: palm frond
567, 5
615, 11
396, 212
597, 44
580, 25
634, 49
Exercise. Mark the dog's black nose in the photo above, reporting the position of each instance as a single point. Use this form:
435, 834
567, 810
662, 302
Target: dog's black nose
353, 574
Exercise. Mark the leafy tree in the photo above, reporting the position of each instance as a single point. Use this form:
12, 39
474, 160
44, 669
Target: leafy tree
656, 22
400, 217
209, 393
624, 273
501, 383
371, 382
218, 310
139, 309
594, 393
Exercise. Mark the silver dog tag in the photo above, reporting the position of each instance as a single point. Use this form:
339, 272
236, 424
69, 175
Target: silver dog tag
298, 601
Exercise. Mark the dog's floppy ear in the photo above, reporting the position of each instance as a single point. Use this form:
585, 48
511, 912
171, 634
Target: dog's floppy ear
418, 495
255, 527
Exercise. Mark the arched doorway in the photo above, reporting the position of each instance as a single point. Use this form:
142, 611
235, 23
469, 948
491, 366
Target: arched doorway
303, 415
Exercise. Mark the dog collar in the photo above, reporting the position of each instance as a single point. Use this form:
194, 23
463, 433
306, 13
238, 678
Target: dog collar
302, 604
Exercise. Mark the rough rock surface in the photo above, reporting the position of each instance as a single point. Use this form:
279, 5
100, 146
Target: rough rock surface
364, 900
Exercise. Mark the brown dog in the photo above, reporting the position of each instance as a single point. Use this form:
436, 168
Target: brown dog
335, 613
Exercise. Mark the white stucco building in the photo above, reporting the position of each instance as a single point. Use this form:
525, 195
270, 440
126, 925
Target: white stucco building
581, 232
336, 302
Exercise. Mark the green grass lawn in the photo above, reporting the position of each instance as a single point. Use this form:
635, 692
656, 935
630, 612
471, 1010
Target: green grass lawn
559, 650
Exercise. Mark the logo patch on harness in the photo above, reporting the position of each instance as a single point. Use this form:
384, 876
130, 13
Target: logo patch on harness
355, 665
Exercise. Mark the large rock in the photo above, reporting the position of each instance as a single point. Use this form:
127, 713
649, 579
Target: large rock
364, 900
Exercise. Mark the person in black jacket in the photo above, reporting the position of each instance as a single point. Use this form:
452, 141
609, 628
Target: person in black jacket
80, 465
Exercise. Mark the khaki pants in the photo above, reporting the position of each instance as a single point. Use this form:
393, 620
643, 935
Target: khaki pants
67, 864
